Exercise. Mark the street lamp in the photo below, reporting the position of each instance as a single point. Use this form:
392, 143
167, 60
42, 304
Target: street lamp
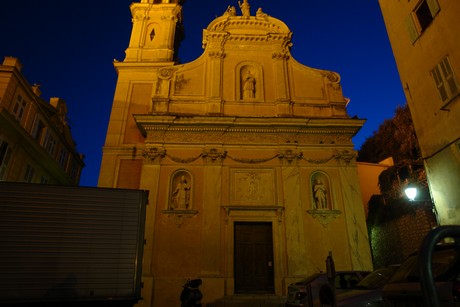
411, 192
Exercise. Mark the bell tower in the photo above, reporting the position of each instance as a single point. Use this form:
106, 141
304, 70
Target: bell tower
157, 31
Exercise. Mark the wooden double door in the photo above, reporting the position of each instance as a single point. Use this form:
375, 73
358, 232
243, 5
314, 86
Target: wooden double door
254, 271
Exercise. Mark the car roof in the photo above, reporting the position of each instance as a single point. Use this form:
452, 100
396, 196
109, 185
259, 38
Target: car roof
323, 274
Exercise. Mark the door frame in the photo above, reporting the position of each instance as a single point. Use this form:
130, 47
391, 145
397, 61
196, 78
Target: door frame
269, 277
251, 214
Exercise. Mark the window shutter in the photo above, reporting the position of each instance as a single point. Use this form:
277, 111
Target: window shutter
411, 29
434, 7
438, 78
444, 78
449, 76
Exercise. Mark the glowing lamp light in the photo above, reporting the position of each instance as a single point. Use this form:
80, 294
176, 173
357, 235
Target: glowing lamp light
411, 192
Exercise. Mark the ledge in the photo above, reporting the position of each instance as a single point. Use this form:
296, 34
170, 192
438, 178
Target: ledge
324, 216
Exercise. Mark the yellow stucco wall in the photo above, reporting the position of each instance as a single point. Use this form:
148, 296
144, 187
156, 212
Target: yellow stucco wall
417, 52
368, 174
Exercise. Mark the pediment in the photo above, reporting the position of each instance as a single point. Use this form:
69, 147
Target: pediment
253, 29
238, 23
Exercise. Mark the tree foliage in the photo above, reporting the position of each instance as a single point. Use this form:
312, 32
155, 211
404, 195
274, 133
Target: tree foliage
394, 138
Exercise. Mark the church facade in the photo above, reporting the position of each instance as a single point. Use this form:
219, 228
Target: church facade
247, 155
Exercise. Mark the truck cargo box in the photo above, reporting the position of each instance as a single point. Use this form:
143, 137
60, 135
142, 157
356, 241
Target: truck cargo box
70, 246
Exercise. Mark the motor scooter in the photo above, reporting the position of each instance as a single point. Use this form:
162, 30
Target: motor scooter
191, 295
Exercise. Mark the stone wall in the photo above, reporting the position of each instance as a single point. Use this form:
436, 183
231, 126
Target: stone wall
393, 241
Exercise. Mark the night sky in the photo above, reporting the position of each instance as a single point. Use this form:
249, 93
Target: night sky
68, 47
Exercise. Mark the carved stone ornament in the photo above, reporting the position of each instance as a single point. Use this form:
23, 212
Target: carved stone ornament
166, 72
213, 155
324, 216
290, 155
332, 76
319, 161
277, 209
280, 56
178, 216
139, 17
252, 161
259, 24
261, 14
345, 155
217, 54
152, 154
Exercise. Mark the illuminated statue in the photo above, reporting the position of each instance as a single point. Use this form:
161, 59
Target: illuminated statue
245, 8
249, 86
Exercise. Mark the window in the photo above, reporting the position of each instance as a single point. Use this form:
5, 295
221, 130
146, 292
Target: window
424, 15
19, 107
29, 174
444, 78
50, 143
5, 156
38, 130
421, 18
62, 158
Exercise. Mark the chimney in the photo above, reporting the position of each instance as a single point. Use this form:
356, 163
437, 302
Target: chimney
36, 89
12, 61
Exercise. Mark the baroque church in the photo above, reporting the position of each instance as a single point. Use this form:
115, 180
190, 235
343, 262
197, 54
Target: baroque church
247, 155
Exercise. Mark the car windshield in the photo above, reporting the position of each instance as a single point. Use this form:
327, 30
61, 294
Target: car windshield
377, 279
445, 263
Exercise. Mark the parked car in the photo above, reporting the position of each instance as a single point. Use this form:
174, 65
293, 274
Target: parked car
306, 291
404, 288
368, 292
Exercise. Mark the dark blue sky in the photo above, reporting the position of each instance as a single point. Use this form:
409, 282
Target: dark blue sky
68, 47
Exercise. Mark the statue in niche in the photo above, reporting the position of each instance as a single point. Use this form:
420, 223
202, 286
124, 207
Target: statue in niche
181, 195
319, 193
245, 9
249, 86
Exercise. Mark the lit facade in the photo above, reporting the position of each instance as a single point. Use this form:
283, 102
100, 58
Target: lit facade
36, 144
247, 154
424, 37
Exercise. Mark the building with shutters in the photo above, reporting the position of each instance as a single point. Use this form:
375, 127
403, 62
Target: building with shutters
424, 37
247, 154
36, 143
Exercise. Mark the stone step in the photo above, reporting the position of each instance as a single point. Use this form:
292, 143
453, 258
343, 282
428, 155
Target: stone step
249, 301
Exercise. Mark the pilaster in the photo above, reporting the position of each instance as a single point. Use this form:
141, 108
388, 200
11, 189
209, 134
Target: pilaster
283, 106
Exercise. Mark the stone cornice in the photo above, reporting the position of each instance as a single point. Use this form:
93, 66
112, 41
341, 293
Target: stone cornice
218, 36
126, 65
221, 124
